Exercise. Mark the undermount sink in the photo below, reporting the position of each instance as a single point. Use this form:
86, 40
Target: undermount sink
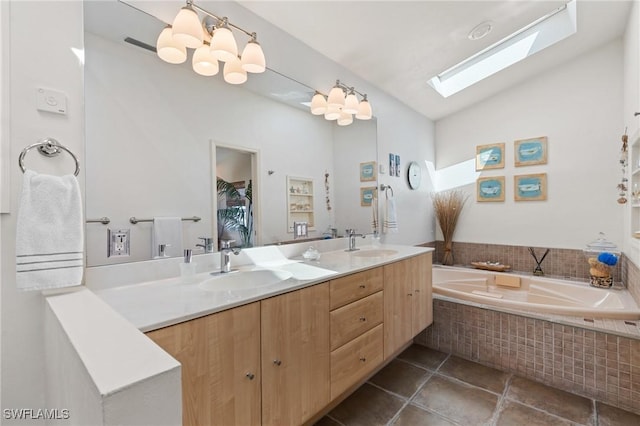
375, 253
245, 280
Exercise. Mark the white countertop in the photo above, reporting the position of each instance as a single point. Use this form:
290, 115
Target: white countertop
159, 303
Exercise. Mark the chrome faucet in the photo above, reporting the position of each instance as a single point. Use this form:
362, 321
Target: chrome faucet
207, 244
351, 233
225, 250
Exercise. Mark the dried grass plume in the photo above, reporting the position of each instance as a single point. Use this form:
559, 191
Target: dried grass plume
447, 206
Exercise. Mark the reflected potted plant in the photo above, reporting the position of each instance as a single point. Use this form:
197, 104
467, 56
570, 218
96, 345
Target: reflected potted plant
447, 206
237, 216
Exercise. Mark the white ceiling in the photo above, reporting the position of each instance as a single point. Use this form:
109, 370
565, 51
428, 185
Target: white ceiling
398, 45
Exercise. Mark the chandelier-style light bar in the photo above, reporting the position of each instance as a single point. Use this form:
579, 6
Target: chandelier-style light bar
341, 105
213, 42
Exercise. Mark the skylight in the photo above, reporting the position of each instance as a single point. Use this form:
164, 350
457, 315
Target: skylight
540, 34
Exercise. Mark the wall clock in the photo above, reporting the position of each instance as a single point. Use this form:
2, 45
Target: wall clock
414, 175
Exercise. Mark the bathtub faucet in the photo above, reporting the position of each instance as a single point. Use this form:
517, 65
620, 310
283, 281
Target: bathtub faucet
538, 269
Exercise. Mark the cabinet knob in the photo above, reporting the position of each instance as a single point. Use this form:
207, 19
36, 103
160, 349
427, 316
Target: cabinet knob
250, 376
277, 362
416, 291
363, 359
410, 294
363, 319
363, 286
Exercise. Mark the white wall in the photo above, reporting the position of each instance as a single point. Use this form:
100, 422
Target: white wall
578, 106
37, 59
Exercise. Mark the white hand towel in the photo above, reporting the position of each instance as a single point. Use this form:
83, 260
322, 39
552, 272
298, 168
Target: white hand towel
374, 214
390, 224
168, 231
49, 232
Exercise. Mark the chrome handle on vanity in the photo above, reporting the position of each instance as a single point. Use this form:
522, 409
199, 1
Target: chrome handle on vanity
363, 319
363, 359
250, 376
277, 362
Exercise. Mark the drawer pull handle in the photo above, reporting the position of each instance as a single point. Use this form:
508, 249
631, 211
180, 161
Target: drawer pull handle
363, 319
363, 286
363, 359
250, 376
410, 294
277, 362
417, 291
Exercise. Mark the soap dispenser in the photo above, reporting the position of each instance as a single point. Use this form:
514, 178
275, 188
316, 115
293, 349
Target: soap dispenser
187, 268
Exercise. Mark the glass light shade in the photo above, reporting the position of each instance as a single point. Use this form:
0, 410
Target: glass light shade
169, 49
204, 63
364, 111
223, 45
233, 72
350, 104
332, 113
318, 104
345, 119
336, 98
187, 28
253, 57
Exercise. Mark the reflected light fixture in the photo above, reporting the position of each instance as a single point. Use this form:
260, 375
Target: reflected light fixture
213, 41
341, 104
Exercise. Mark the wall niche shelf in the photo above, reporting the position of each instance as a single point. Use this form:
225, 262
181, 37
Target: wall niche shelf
300, 202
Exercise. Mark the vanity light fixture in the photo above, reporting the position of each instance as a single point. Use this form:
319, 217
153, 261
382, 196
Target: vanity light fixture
213, 41
342, 105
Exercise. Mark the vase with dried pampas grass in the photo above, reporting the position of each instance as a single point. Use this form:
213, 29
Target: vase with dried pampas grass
447, 206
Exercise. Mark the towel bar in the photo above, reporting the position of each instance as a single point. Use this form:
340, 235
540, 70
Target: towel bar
135, 220
103, 220
48, 147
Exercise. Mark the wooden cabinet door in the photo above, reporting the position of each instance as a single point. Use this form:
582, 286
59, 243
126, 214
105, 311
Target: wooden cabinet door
220, 357
422, 300
398, 306
295, 355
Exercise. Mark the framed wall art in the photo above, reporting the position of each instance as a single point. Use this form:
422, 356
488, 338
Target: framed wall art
366, 195
368, 171
529, 152
490, 189
530, 187
490, 156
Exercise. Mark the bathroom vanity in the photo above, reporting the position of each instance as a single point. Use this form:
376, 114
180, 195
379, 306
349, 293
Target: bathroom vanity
287, 356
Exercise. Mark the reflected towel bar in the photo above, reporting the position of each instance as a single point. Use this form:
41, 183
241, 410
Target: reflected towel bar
135, 220
103, 220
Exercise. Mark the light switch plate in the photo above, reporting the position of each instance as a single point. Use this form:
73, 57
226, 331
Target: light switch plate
51, 101
118, 242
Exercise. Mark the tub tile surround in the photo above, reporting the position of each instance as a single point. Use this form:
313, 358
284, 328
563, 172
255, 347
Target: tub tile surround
590, 363
559, 263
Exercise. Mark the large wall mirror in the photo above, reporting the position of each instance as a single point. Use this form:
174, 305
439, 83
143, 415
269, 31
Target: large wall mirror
158, 136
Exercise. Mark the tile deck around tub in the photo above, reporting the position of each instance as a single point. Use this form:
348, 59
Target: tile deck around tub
425, 386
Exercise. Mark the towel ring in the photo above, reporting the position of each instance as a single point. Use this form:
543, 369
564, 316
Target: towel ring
48, 147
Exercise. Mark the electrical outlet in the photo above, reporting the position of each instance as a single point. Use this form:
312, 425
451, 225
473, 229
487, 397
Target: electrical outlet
118, 242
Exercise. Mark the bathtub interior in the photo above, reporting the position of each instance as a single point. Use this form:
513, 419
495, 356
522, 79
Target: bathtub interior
545, 294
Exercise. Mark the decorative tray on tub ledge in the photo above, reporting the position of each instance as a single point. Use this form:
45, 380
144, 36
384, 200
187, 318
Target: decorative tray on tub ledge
491, 266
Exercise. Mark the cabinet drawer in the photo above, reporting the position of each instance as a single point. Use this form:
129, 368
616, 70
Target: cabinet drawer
353, 361
355, 286
350, 321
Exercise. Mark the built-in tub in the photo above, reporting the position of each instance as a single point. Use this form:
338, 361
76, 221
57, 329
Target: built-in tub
536, 294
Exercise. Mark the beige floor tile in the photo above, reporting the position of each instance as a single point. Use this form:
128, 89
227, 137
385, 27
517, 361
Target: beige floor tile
401, 378
462, 403
613, 416
474, 373
413, 416
555, 401
423, 356
367, 406
516, 414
